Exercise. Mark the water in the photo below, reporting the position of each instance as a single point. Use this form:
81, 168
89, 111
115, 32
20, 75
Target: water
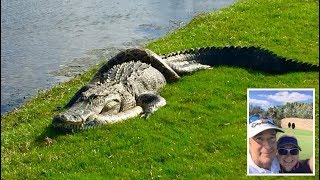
47, 42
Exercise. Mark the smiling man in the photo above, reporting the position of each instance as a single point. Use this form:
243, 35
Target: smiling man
262, 146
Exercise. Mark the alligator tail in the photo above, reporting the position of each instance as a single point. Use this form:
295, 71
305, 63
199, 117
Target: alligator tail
254, 58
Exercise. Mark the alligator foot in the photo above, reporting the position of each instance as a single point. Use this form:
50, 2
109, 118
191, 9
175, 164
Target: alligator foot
150, 103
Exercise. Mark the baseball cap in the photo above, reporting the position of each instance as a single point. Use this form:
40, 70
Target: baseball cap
257, 124
286, 139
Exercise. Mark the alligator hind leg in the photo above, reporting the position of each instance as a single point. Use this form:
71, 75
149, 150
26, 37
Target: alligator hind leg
183, 67
185, 63
150, 103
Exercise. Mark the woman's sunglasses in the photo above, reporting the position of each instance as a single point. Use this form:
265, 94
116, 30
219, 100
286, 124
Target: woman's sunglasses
284, 151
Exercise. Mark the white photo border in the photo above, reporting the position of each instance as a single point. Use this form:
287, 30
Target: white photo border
313, 130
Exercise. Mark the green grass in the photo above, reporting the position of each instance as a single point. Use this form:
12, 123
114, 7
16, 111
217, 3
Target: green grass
199, 134
305, 141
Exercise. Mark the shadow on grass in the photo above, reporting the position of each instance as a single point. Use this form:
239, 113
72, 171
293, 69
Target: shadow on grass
48, 136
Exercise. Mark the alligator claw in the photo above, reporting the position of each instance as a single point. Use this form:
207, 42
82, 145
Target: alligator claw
145, 115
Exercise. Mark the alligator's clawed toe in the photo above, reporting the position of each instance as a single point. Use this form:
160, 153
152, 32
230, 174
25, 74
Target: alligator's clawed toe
145, 115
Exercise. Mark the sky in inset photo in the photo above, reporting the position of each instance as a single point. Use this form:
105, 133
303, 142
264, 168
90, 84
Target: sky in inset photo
266, 98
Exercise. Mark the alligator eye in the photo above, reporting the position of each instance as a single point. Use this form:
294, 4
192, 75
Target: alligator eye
58, 119
92, 96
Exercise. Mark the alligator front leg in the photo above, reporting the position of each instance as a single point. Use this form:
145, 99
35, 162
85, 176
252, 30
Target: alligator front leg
104, 118
150, 103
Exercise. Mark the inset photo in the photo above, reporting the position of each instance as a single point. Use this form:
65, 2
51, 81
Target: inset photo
281, 132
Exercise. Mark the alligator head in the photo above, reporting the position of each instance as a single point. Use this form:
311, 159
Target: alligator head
85, 112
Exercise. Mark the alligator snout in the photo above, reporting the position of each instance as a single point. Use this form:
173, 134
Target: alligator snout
66, 123
72, 120
65, 118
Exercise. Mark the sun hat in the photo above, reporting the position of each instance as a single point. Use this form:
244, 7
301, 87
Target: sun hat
286, 139
257, 124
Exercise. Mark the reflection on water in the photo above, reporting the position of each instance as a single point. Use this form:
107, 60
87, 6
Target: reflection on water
39, 37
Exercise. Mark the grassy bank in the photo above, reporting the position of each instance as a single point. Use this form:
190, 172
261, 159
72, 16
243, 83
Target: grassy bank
200, 133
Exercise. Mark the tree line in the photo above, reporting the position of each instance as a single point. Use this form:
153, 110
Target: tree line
289, 110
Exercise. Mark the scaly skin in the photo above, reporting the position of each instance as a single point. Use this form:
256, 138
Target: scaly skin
130, 89
129, 84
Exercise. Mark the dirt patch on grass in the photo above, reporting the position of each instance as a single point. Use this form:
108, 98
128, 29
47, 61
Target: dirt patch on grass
303, 124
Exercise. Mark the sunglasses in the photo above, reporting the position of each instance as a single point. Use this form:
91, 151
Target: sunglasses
284, 151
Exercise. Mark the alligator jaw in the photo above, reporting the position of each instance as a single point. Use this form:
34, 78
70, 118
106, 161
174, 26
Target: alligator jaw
64, 123
72, 123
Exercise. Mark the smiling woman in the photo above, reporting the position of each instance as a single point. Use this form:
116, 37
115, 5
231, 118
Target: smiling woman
288, 155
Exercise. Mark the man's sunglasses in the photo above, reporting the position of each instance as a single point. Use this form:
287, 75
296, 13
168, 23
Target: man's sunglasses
284, 151
258, 117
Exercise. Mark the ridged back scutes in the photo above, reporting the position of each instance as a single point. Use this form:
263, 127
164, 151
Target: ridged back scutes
136, 77
121, 72
136, 55
132, 54
100, 89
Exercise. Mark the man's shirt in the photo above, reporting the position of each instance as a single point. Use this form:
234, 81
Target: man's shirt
254, 169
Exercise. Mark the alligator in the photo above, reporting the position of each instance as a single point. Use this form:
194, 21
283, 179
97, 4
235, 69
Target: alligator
129, 84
